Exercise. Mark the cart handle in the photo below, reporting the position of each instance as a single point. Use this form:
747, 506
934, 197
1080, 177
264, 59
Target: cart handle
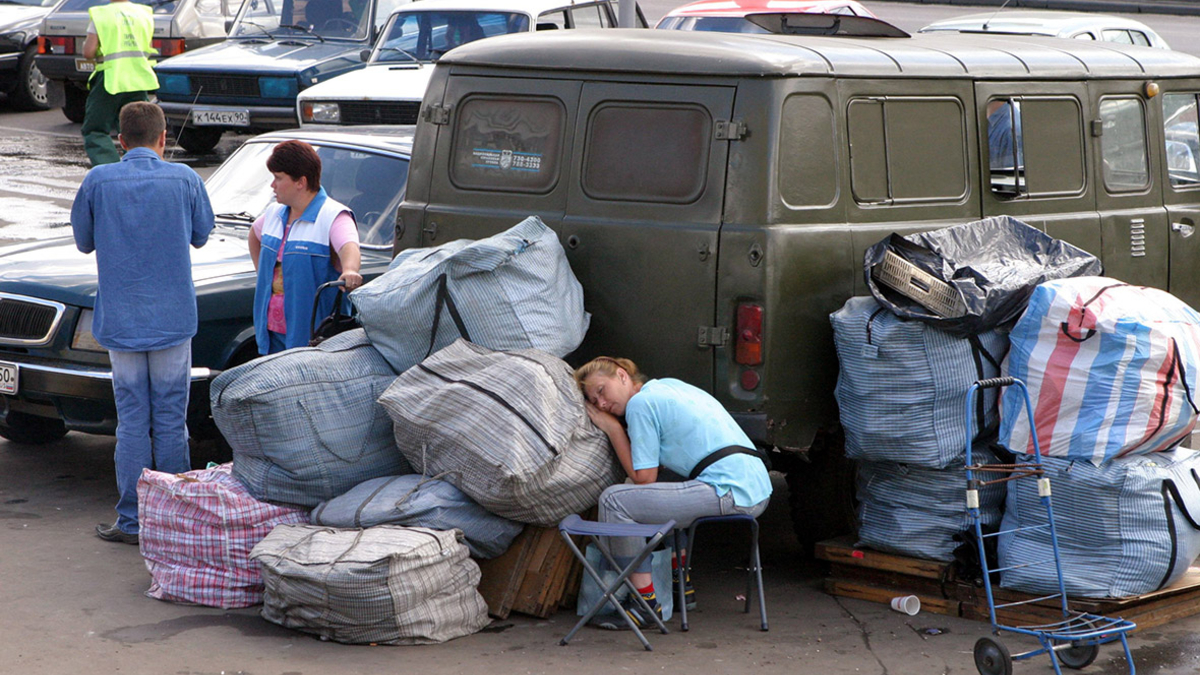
996, 382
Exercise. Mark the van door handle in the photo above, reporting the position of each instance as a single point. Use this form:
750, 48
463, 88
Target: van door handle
431, 230
1184, 228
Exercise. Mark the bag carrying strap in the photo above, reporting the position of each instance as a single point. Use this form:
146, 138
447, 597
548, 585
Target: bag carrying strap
1170, 493
445, 300
714, 457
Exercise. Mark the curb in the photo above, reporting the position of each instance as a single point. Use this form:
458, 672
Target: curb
1176, 7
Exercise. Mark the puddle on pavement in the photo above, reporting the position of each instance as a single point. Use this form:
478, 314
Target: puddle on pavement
250, 625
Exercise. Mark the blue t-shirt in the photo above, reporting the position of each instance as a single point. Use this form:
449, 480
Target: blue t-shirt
675, 425
140, 216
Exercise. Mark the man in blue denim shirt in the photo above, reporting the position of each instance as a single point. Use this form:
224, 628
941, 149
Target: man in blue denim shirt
139, 215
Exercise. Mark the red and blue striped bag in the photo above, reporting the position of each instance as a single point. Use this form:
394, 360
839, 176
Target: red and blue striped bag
1111, 370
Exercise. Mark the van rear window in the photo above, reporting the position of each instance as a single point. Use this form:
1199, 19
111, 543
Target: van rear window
507, 144
647, 152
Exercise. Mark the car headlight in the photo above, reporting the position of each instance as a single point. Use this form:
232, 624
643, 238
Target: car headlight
174, 84
278, 87
84, 340
329, 113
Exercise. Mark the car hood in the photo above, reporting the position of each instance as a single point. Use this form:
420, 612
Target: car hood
54, 269
284, 56
376, 82
12, 16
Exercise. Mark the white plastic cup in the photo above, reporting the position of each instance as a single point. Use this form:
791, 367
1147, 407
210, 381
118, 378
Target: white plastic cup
906, 604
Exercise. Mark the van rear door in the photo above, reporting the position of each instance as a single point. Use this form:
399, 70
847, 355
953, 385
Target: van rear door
644, 217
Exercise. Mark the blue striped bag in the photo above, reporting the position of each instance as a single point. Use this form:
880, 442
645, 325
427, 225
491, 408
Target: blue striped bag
916, 512
1128, 527
902, 385
1111, 370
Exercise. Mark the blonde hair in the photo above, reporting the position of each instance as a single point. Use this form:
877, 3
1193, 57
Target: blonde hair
607, 365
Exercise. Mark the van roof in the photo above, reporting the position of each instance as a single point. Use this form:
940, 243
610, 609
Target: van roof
731, 54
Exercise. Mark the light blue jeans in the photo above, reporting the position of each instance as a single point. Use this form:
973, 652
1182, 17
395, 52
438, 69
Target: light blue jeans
682, 502
151, 390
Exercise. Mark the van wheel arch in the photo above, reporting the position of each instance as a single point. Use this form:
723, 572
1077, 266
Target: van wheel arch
821, 490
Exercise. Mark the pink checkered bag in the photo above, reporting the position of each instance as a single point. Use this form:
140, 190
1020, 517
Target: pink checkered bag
197, 529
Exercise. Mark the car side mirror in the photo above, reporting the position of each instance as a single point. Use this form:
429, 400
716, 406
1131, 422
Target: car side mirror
365, 55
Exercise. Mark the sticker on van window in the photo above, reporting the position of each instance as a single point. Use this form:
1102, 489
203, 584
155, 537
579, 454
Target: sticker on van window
506, 160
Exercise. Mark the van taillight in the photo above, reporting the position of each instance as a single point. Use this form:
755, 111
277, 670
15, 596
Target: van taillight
748, 345
56, 45
168, 46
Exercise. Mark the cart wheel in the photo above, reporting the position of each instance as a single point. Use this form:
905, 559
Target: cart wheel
992, 657
1078, 655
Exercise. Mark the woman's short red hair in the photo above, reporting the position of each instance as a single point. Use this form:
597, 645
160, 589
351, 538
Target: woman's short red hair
297, 159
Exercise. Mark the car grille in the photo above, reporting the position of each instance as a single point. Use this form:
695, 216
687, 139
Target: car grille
403, 112
27, 321
223, 85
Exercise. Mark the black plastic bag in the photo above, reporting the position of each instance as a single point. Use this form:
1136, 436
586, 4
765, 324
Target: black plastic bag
991, 266
334, 324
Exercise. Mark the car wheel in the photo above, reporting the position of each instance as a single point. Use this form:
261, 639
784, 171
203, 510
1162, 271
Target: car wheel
31, 430
29, 92
198, 141
75, 106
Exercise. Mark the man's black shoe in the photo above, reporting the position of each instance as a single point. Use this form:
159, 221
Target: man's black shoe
114, 534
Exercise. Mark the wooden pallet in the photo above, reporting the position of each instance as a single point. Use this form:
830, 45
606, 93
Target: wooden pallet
535, 576
875, 576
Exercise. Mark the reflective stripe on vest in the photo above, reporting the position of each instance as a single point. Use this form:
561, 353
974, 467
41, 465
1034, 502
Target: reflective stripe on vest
126, 33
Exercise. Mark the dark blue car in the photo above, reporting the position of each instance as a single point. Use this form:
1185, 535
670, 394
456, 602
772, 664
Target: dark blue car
275, 49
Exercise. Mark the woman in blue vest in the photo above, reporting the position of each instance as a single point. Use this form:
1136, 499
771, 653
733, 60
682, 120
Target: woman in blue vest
303, 241
673, 425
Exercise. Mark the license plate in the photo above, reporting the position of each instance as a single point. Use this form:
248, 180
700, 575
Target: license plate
8, 377
223, 117
85, 65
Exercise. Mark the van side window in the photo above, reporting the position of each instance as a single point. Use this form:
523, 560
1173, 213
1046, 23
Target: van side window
907, 149
1123, 145
1035, 147
647, 152
507, 144
1183, 139
589, 16
807, 154
552, 20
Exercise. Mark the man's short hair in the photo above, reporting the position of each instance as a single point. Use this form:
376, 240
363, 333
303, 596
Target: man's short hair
142, 123
296, 159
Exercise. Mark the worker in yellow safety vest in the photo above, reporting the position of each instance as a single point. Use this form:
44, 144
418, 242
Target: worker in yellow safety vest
120, 38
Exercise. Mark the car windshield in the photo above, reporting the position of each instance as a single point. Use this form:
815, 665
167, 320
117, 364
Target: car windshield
372, 185
425, 36
303, 19
159, 6
715, 24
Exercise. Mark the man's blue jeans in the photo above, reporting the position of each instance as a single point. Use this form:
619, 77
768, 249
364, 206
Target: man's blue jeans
151, 390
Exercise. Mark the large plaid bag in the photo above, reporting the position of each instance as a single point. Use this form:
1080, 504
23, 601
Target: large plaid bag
197, 529
1111, 370
902, 384
416, 501
513, 290
304, 424
1128, 527
507, 428
384, 585
915, 511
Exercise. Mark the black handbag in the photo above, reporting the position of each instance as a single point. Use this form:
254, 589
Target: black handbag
336, 322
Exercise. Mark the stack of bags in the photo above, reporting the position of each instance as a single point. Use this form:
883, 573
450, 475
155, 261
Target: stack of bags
497, 439
1111, 370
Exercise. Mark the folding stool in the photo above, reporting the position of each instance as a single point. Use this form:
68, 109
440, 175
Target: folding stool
754, 573
654, 534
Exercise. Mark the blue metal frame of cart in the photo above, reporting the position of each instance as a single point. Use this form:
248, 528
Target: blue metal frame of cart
1074, 641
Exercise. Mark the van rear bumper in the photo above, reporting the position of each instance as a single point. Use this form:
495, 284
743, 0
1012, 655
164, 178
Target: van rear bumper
754, 424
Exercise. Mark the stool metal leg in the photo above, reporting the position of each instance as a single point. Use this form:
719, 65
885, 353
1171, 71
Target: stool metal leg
756, 562
651, 544
681, 584
606, 595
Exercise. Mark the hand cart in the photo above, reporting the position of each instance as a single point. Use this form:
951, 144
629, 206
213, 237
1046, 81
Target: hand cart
1074, 641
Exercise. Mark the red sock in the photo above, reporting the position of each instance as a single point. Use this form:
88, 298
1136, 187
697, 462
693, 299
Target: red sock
648, 590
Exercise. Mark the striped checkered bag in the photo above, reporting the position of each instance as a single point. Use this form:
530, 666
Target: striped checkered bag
1111, 370
1128, 527
507, 428
902, 384
513, 290
915, 511
383, 585
197, 529
304, 424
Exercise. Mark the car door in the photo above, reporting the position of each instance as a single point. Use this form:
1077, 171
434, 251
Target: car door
643, 220
1179, 168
